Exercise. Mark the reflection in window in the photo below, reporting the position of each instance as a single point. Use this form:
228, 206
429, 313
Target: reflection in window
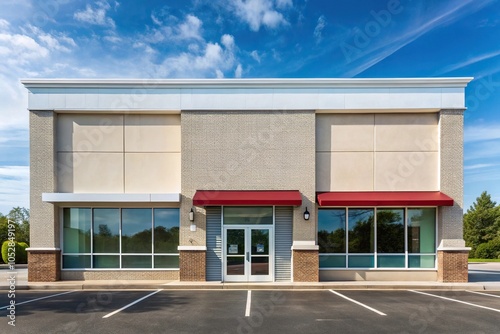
166, 224
76, 230
136, 231
331, 231
234, 215
389, 234
106, 230
422, 230
361, 230
390, 231
102, 227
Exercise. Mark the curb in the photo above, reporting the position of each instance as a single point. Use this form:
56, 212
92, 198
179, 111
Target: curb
229, 286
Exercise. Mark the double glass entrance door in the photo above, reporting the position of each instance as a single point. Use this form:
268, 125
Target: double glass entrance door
248, 254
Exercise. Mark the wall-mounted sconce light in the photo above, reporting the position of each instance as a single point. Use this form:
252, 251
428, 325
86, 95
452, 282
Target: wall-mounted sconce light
192, 228
306, 214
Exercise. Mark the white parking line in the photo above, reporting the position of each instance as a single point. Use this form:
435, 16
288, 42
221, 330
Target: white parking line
484, 294
456, 300
249, 303
356, 302
133, 303
36, 299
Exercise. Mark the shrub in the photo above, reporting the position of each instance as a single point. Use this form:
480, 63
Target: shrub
21, 254
489, 250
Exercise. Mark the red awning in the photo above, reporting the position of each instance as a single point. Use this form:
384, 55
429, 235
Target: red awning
377, 198
244, 197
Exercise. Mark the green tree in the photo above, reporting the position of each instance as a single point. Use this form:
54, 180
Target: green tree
21, 217
481, 222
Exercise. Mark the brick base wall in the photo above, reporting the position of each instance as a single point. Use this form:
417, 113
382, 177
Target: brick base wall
192, 265
453, 266
305, 266
44, 266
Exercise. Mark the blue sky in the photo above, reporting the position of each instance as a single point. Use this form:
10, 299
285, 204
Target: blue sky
251, 39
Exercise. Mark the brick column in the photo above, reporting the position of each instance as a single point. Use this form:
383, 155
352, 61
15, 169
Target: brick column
192, 264
305, 259
44, 265
453, 266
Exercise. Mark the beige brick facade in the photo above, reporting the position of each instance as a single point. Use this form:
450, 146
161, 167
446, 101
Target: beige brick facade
242, 135
44, 222
305, 266
247, 150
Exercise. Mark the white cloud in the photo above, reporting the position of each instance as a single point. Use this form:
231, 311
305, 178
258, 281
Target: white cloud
14, 187
318, 31
4, 24
471, 61
190, 28
477, 166
485, 132
96, 15
213, 60
239, 71
112, 39
255, 56
228, 41
18, 49
259, 13
384, 46
284, 3
57, 43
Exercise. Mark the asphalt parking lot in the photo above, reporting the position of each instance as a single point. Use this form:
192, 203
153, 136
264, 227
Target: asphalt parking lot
260, 311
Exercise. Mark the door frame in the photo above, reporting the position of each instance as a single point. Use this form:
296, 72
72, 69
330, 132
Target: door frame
248, 277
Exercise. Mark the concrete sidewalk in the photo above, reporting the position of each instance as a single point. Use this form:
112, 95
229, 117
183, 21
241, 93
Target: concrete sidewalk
483, 276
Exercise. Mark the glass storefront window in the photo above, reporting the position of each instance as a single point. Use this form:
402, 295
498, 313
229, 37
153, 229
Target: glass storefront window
166, 230
136, 231
331, 230
422, 230
106, 231
361, 231
234, 215
390, 231
91, 238
384, 227
76, 230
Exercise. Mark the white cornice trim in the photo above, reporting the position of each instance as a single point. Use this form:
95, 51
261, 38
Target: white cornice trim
43, 249
304, 245
192, 248
451, 249
457, 82
123, 198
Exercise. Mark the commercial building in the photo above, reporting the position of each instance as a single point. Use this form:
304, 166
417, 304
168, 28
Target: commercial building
247, 180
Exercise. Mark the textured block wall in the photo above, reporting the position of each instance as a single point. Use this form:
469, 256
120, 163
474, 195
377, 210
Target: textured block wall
247, 150
451, 177
44, 227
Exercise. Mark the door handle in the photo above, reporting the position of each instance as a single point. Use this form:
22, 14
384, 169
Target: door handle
248, 256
